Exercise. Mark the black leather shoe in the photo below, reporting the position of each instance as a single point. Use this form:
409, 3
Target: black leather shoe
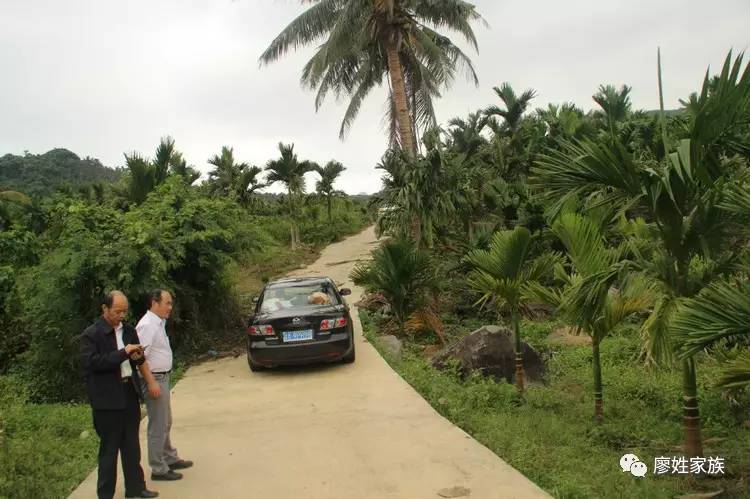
143, 493
169, 475
181, 465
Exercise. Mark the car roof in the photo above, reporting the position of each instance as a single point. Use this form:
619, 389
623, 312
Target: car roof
295, 281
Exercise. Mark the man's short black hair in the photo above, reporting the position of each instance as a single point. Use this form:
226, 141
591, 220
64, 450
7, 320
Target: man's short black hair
155, 296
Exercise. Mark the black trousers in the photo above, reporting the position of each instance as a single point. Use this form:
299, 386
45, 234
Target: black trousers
118, 432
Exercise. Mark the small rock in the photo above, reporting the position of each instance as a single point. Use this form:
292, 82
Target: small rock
84, 435
391, 345
454, 492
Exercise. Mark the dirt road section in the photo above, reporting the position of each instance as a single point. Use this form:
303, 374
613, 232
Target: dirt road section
324, 432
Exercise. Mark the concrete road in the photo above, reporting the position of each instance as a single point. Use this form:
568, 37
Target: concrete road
322, 432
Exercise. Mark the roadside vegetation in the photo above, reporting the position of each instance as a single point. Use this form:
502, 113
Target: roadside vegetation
149, 224
626, 230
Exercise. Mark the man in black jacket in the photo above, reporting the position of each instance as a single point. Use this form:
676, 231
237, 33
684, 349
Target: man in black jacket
110, 354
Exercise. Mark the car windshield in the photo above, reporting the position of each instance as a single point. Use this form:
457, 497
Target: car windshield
299, 296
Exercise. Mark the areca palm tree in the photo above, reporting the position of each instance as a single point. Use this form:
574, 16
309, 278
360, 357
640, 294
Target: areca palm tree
248, 184
364, 41
614, 103
142, 178
224, 177
515, 106
595, 310
290, 171
417, 196
146, 174
328, 175
683, 195
403, 274
237, 181
718, 319
502, 275
178, 165
466, 135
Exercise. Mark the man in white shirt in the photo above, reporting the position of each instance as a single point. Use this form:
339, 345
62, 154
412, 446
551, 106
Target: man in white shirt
152, 334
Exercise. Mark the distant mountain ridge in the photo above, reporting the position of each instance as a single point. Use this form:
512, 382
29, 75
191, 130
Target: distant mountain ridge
41, 174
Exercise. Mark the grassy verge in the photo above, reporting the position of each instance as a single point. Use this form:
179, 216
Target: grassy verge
45, 450
550, 436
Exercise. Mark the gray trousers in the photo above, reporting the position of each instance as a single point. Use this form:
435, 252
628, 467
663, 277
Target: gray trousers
160, 451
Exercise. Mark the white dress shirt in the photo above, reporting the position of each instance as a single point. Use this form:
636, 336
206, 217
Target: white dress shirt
153, 336
125, 369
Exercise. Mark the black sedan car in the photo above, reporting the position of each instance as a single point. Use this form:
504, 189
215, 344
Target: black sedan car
298, 321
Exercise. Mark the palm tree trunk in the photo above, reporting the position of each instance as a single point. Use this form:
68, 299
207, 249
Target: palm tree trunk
519, 352
416, 230
400, 100
598, 397
691, 420
330, 219
293, 227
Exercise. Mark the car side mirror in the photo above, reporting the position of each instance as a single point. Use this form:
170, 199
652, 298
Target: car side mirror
345, 291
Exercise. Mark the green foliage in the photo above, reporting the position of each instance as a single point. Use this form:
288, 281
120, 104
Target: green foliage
402, 274
550, 436
42, 453
41, 174
175, 239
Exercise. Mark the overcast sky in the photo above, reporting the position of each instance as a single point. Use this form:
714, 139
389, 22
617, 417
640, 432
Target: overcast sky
104, 77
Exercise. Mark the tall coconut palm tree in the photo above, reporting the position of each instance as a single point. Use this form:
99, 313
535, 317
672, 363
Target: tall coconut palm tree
366, 40
290, 171
684, 195
328, 175
502, 275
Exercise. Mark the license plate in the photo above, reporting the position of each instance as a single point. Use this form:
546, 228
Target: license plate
291, 336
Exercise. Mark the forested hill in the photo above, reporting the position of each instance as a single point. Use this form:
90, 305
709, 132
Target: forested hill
40, 174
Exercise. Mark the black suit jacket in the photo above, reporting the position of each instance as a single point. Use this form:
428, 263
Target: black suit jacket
101, 364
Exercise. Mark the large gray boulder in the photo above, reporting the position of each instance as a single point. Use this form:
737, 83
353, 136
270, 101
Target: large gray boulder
490, 350
392, 345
